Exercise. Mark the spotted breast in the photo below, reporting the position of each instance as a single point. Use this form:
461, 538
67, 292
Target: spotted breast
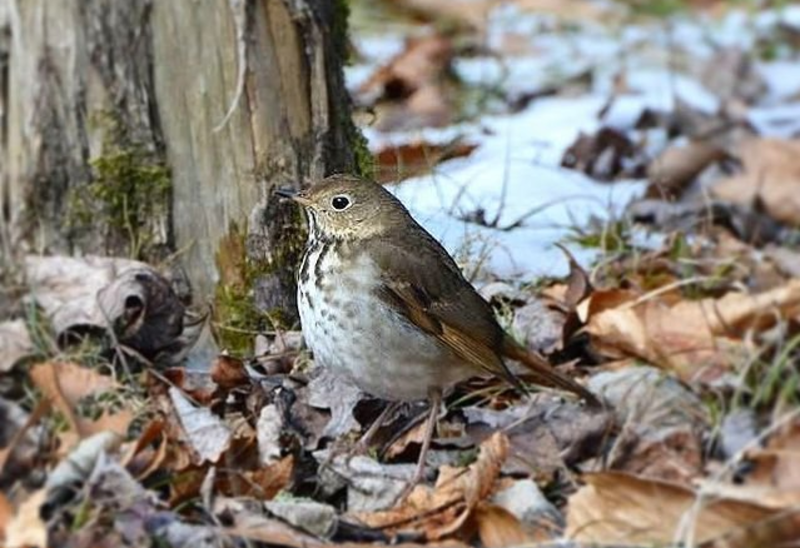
336, 297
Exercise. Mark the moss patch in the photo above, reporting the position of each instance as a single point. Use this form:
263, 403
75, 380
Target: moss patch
240, 312
236, 318
129, 195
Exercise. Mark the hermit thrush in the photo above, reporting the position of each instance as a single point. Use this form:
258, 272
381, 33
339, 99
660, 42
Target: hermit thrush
382, 303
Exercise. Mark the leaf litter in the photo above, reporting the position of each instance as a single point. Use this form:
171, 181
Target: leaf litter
512, 127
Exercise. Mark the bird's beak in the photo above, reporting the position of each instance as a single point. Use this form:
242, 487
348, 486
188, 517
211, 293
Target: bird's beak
294, 195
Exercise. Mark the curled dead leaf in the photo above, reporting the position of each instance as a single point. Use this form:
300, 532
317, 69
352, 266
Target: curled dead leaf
128, 297
229, 372
443, 510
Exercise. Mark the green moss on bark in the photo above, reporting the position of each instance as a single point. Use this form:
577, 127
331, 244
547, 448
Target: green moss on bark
128, 196
241, 310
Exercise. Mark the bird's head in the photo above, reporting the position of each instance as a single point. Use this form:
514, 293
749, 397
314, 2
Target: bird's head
348, 207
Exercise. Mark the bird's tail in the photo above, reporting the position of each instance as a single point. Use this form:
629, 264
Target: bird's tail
544, 373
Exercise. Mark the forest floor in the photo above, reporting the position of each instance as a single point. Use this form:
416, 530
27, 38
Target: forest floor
621, 180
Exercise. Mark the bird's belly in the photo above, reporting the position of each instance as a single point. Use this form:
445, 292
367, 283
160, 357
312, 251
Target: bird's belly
350, 330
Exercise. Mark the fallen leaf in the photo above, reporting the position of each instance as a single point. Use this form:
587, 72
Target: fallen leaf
539, 327
268, 433
399, 162
537, 516
66, 384
6, 513
411, 436
497, 527
27, 529
661, 424
546, 434
371, 486
80, 462
615, 508
774, 478
312, 517
442, 510
470, 14
692, 338
330, 391
208, 435
15, 343
410, 86
604, 155
568, 9
129, 297
141, 459
228, 372
677, 166
771, 175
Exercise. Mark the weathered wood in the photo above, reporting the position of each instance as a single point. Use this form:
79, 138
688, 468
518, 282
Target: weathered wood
79, 91
139, 127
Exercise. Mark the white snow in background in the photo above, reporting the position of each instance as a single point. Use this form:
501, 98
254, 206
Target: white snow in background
779, 121
517, 161
782, 79
519, 156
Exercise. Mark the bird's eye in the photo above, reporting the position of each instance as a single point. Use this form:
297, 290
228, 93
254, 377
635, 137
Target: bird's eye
340, 203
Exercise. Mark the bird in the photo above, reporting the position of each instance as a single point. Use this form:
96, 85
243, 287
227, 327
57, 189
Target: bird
383, 304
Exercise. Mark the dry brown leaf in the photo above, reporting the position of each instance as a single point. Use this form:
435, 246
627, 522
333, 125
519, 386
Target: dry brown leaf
690, 336
498, 528
6, 513
410, 90
677, 166
775, 477
604, 155
398, 162
615, 508
771, 175
471, 14
262, 484
141, 459
229, 372
65, 384
661, 424
441, 511
413, 435
26, 528
421, 63
778, 464
274, 532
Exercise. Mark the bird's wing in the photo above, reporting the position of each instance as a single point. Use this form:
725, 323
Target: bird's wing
426, 286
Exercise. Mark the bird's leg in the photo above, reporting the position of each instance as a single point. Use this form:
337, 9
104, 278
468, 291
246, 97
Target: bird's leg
362, 445
435, 397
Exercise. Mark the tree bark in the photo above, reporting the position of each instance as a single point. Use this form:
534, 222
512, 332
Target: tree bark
150, 127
